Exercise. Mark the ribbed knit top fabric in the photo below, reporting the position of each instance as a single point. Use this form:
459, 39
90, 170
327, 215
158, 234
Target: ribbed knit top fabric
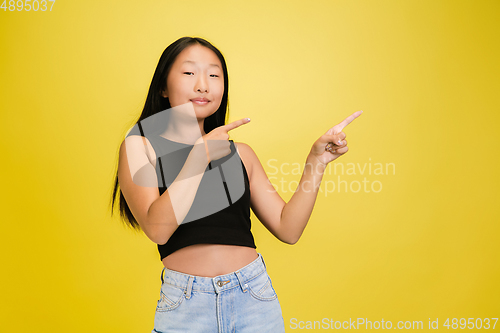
220, 213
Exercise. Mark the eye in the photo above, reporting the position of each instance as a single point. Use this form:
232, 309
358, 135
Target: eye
187, 73
214, 75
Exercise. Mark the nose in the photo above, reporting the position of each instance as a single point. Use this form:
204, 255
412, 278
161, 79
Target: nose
201, 84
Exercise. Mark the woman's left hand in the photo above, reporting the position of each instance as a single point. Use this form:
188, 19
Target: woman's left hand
332, 144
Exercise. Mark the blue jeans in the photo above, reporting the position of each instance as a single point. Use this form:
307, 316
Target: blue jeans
242, 301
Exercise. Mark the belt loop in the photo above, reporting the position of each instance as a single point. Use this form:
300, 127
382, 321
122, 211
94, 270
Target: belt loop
161, 275
262, 258
189, 286
240, 279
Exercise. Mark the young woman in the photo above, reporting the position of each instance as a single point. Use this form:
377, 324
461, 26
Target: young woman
187, 187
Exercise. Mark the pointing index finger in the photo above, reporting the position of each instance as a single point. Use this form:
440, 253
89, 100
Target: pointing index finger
236, 124
347, 121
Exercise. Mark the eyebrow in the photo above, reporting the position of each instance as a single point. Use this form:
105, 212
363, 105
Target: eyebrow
190, 61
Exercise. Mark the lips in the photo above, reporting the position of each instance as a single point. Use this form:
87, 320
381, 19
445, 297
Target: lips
200, 101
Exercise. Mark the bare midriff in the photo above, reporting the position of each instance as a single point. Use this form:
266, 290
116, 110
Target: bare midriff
210, 260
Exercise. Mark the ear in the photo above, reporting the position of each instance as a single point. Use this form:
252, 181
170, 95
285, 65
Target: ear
164, 93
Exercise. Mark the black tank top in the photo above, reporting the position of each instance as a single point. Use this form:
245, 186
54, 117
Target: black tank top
220, 213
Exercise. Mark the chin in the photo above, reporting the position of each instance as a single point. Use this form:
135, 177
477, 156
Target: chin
204, 114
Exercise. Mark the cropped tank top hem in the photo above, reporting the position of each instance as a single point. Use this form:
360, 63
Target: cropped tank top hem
207, 222
205, 235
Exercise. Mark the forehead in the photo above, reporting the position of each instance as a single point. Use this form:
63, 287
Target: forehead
197, 55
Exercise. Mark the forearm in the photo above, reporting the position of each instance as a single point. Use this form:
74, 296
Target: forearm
297, 211
171, 208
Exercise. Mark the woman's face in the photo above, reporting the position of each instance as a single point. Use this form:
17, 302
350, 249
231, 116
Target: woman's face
196, 74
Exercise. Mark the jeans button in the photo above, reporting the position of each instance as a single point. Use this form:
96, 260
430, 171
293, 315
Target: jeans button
219, 283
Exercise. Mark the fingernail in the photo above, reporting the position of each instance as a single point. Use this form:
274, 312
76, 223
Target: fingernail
247, 119
340, 142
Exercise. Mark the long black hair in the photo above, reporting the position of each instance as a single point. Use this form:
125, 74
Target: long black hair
155, 103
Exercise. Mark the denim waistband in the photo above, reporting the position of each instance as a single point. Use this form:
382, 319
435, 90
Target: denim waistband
217, 284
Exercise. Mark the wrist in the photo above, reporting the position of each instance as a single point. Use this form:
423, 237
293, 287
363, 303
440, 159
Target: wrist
199, 154
203, 143
313, 164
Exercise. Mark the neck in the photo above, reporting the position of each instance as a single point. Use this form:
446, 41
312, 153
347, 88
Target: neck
183, 126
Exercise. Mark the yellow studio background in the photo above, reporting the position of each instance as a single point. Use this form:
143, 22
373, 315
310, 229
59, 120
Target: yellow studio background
406, 232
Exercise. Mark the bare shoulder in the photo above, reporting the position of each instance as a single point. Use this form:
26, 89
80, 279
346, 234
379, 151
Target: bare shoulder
243, 147
137, 145
247, 155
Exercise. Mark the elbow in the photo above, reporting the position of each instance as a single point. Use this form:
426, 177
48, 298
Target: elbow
156, 234
291, 240
160, 236
155, 237
158, 240
159, 230
287, 236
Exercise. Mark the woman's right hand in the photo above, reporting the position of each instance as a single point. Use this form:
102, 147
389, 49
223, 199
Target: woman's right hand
217, 140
